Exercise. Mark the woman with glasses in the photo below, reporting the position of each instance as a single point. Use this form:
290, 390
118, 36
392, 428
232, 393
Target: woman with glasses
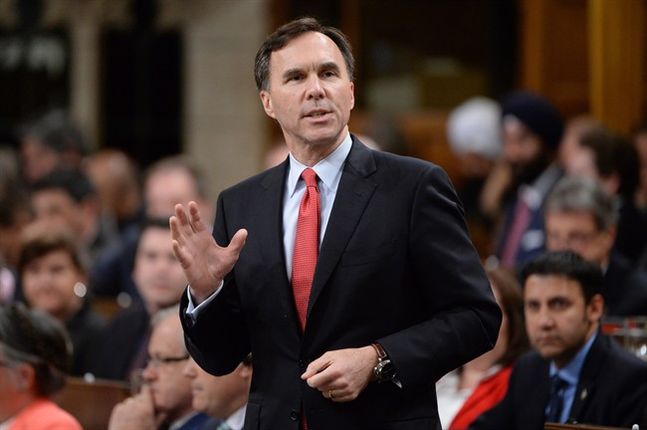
35, 355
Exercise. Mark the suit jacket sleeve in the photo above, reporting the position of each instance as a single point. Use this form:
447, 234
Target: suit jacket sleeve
463, 318
218, 339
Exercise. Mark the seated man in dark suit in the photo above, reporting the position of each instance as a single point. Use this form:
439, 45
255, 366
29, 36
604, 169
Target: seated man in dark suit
575, 373
582, 217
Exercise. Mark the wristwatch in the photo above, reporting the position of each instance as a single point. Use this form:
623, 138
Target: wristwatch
384, 370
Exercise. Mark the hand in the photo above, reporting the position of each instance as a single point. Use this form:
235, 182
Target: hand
137, 412
343, 374
205, 263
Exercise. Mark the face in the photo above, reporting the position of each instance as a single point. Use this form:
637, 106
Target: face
171, 391
158, 275
217, 395
521, 147
641, 147
38, 160
48, 283
578, 232
57, 207
558, 320
164, 190
16, 386
310, 92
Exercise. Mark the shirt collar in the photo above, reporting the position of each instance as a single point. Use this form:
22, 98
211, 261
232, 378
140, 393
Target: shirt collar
326, 169
237, 419
571, 372
534, 194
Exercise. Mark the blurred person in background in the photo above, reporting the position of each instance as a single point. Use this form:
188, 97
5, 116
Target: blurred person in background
640, 198
15, 214
35, 354
532, 129
50, 143
474, 135
165, 401
68, 199
576, 128
160, 281
169, 181
582, 216
53, 278
613, 162
574, 372
479, 385
116, 179
640, 143
224, 398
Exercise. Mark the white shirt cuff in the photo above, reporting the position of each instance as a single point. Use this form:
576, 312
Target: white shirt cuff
192, 310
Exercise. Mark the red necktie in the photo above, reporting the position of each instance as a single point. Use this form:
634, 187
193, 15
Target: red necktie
306, 245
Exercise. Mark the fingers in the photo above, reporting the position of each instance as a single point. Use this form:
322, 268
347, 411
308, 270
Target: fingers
194, 217
181, 254
315, 367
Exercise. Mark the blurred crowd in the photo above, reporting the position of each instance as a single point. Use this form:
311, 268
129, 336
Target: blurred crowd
84, 238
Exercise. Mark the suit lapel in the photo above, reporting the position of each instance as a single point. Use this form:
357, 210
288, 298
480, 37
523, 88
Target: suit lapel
269, 221
586, 384
354, 191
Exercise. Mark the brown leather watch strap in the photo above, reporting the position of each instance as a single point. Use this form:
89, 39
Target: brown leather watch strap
381, 354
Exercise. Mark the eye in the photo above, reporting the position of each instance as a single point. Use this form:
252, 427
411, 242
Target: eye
559, 304
532, 306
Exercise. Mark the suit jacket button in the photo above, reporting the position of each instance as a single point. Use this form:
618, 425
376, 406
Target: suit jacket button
294, 415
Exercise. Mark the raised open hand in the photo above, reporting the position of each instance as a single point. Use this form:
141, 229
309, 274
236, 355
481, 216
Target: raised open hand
205, 263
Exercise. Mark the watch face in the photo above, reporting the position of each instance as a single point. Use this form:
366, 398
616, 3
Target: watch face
384, 371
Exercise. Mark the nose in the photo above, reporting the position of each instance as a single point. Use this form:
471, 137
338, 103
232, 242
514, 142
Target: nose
189, 370
149, 373
546, 319
315, 89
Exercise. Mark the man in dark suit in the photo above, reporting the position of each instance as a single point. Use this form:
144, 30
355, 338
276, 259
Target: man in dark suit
575, 373
581, 216
361, 272
531, 131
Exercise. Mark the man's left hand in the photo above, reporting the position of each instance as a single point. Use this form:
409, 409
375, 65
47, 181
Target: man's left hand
343, 374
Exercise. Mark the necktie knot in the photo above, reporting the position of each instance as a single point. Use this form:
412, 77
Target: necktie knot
310, 177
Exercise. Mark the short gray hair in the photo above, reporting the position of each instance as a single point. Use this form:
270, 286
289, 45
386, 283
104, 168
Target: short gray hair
582, 194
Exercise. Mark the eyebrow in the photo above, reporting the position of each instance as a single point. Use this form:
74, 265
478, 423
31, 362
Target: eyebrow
328, 65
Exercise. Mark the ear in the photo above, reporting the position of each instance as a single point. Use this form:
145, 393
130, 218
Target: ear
26, 381
352, 95
266, 99
595, 308
245, 371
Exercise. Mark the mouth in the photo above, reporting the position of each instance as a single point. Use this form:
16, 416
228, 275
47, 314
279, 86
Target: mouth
316, 113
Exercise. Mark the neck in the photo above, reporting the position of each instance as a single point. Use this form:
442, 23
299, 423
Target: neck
70, 311
15, 405
310, 153
561, 362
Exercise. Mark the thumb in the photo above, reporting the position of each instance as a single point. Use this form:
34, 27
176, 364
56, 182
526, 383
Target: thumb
238, 241
146, 394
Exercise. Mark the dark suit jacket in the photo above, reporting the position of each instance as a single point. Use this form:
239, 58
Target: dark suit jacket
120, 343
625, 288
612, 391
395, 266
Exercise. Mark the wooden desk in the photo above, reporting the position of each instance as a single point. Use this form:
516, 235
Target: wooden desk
91, 402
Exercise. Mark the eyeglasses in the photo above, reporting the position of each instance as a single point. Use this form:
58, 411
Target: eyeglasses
159, 361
